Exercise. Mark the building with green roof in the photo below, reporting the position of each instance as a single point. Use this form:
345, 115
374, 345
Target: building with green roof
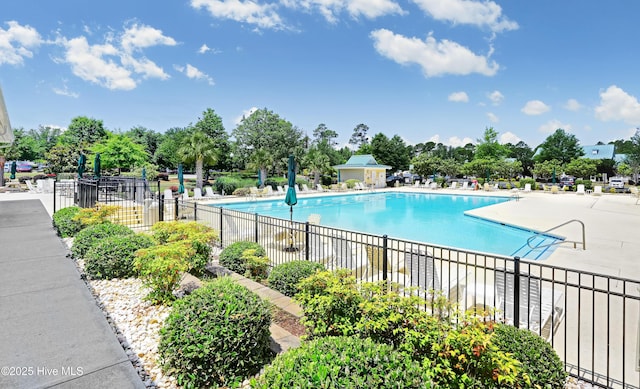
363, 168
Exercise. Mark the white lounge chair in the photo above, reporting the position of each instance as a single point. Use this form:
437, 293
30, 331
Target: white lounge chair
375, 263
465, 185
319, 188
424, 275
344, 257
297, 188
454, 185
306, 189
540, 309
32, 189
580, 189
597, 190
197, 194
209, 193
527, 187
268, 191
280, 190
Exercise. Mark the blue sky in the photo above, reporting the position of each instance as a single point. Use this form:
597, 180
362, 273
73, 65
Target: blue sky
440, 70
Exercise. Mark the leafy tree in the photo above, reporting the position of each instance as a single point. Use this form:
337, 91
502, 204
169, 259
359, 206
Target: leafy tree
166, 155
62, 158
120, 152
560, 146
317, 163
24, 147
523, 154
622, 146
582, 168
392, 152
450, 167
263, 162
145, 137
426, 165
265, 130
323, 134
480, 168
545, 169
633, 155
84, 130
359, 136
211, 124
508, 169
464, 154
488, 147
624, 169
198, 148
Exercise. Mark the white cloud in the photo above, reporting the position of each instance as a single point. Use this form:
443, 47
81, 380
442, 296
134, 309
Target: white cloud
194, 73
457, 142
64, 91
509, 137
459, 97
552, 125
477, 13
616, 104
203, 49
261, 15
330, 9
116, 63
435, 58
137, 37
535, 107
493, 117
435, 139
573, 105
245, 114
16, 43
496, 97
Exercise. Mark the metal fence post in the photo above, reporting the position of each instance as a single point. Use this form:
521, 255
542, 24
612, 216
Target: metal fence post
306, 241
384, 257
161, 200
256, 229
195, 211
221, 228
516, 292
55, 183
175, 209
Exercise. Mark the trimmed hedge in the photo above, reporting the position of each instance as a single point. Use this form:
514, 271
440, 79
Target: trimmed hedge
286, 276
539, 360
199, 236
216, 336
231, 257
91, 235
342, 362
65, 222
113, 256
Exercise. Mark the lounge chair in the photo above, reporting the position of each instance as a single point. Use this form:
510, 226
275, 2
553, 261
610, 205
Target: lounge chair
197, 194
597, 190
375, 262
31, 188
465, 185
424, 275
314, 219
297, 188
580, 189
306, 189
254, 192
319, 188
541, 309
268, 191
209, 193
454, 185
280, 190
527, 187
343, 255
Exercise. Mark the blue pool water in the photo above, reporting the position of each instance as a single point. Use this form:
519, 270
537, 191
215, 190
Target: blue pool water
423, 217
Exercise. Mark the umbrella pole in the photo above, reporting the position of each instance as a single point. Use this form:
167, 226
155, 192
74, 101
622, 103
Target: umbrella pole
291, 229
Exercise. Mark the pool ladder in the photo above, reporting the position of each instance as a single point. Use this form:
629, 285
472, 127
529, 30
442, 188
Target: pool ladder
558, 242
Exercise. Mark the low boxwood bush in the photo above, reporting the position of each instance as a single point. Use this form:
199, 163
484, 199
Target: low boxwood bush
198, 235
342, 362
216, 336
64, 221
286, 276
525, 181
229, 184
160, 267
89, 236
112, 257
97, 215
231, 256
539, 360
588, 184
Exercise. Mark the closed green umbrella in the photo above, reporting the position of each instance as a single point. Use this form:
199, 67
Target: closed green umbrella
259, 179
13, 170
96, 166
291, 199
82, 161
553, 176
180, 179
144, 173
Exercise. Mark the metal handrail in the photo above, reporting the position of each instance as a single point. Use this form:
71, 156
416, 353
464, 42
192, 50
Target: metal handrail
584, 241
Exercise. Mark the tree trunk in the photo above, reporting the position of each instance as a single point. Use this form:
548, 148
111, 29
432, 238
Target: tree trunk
263, 175
199, 173
316, 179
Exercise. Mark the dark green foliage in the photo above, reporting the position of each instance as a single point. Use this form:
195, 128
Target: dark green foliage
112, 257
525, 181
64, 222
231, 256
342, 362
286, 276
230, 184
275, 181
588, 184
538, 358
218, 335
91, 235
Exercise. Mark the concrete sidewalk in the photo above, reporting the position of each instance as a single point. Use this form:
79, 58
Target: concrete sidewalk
52, 334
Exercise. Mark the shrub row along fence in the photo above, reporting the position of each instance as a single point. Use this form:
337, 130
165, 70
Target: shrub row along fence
591, 320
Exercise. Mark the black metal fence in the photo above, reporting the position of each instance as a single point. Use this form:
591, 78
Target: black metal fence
591, 320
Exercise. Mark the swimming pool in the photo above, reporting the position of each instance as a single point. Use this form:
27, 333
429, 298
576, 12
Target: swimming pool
424, 217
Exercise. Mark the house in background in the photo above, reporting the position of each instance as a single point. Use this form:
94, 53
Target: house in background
363, 168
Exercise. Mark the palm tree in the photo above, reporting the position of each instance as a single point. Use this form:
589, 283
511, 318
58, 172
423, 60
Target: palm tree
317, 163
261, 161
198, 148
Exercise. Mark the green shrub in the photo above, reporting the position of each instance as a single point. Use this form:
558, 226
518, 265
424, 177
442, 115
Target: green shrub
525, 181
91, 235
97, 215
218, 335
539, 360
275, 181
112, 257
588, 184
161, 267
64, 221
351, 183
257, 265
231, 256
241, 192
197, 235
286, 276
342, 362
230, 183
